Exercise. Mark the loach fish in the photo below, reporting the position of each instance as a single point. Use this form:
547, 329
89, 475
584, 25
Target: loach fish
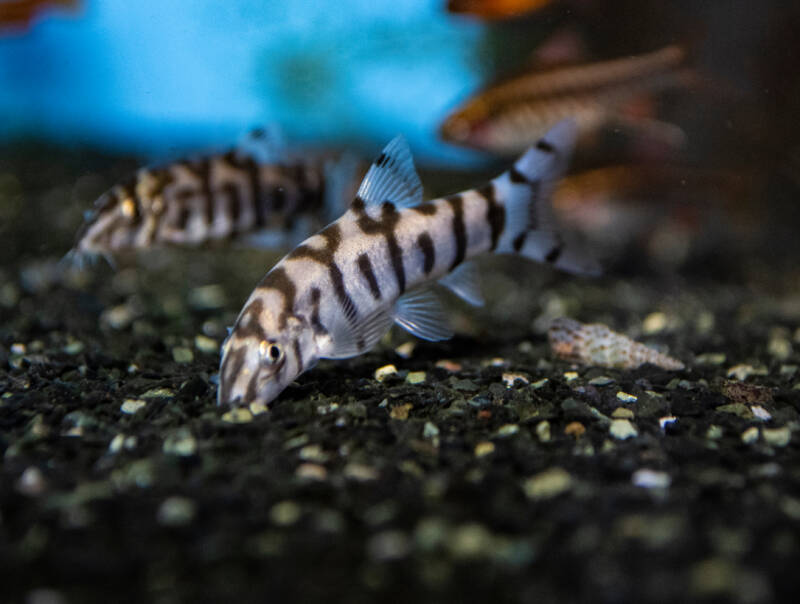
341, 290
247, 193
507, 117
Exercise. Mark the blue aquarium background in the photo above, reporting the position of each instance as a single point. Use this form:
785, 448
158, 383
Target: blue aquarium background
162, 78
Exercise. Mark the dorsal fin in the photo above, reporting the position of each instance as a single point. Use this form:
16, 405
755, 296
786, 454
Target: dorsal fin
392, 177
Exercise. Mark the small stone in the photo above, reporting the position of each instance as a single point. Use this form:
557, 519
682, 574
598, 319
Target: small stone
32, 483
622, 429
777, 437
539, 383
176, 511
207, 297
296, 441
779, 347
470, 540
132, 405
258, 408
575, 429
181, 354
448, 365
388, 545
740, 392
205, 344
115, 446
761, 413
415, 377
311, 471
601, 380
743, 371
430, 430
651, 479
360, 472
239, 415
181, 443
711, 358
483, 448
547, 484
791, 507
788, 370
381, 373
543, 431
750, 435
73, 347
401, 411
570, 375
714, 432
507, 430
653, 323
510, 379
739, 409
465, 385
158, 393
327, 409
404, 351
313, 453
285, 513
118, 317
666, 421
622, 413
626, 398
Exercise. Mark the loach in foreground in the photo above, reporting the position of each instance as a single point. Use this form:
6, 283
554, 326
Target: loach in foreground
256, 193
336, 294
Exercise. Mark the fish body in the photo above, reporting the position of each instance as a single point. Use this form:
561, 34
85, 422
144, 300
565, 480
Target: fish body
496, 9
20, 14
223, 196
511, 115
336, 294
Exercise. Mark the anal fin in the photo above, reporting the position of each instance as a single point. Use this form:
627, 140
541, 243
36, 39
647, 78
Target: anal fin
464, 283
420, 313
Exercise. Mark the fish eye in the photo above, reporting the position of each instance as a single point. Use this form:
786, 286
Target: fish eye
270, 352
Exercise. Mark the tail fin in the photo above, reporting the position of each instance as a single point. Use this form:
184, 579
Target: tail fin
530, 229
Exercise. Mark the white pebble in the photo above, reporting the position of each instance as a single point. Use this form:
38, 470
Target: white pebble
622, 429
381, 373
651, 479
132, 405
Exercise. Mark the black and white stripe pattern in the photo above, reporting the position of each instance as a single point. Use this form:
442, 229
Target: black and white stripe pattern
216, 197
342, 288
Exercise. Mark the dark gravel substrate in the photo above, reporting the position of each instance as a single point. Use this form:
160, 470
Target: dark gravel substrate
121, 478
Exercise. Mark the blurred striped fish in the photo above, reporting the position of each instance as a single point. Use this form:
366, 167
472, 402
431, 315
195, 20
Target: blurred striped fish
242, 194
508, 117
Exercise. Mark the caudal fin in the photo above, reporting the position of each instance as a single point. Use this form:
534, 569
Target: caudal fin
530, 229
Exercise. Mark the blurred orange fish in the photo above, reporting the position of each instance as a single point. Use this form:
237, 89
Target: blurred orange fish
496, 9
665, 211
20, 14
508, 117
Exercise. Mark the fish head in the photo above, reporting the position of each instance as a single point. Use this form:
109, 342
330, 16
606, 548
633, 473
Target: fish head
462, 128
265, 351
112, 224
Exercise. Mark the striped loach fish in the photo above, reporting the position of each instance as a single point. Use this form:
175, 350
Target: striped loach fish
341, 290
247, 194
509, 116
